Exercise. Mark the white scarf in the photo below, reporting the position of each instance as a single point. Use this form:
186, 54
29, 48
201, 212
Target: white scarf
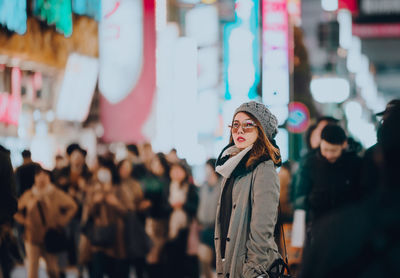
237, 155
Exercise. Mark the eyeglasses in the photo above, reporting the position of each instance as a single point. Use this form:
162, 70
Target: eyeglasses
247, 126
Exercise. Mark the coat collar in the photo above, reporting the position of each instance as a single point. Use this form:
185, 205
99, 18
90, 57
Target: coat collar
241, 169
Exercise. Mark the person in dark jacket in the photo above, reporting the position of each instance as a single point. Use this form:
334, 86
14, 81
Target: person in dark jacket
154, 185
25, 173
329, 178
8, 206
363, 240
371, 174
73, 179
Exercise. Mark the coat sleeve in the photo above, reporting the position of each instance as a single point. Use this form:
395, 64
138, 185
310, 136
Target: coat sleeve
261, 247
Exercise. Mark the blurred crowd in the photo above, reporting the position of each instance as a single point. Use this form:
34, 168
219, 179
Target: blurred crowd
145, 212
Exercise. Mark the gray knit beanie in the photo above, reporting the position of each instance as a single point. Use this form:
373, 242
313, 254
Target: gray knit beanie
263, 115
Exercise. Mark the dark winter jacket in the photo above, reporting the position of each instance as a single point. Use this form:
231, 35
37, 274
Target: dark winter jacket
358, 241
25, 177
323, 187
8, 201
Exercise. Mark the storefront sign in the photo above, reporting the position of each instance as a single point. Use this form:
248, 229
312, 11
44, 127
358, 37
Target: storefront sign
10, 108
376, 30
123, 118
120, 48
299, 117
78, 87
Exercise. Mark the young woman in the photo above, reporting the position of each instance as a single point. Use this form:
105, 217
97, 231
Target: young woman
248, 206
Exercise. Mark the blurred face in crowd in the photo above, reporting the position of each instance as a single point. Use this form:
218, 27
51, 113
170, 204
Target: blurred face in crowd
315, 138
125, 170
147, 153
77, 158
104, 175
244, 131
331, 152
42, 179
60, 163
156, 166
177, 174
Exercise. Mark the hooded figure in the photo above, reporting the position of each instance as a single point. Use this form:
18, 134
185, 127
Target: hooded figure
248, 206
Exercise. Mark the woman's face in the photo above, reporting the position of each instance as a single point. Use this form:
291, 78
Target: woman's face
125, 170
244, 131
177, 174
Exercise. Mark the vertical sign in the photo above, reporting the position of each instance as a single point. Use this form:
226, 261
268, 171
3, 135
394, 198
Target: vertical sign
275, 62
124, 121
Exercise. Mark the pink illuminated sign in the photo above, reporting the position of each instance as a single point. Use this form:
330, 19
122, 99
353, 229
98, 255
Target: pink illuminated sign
10, 108
275, 64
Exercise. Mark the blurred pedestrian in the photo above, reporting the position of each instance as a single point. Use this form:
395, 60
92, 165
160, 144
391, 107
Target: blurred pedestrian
146, 154
329, 178
248, 206
73, 179
41, 208
373, 157
209, 196
8, 206
24, 174
315, 135
139, 170
106, 204
155, 185
363, 240
60, 164
136, 194
183, 201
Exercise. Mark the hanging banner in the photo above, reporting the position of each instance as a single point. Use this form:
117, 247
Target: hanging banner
120, 47
123, 120
78, 87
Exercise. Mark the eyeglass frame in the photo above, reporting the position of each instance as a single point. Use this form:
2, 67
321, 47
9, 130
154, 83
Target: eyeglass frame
245, 129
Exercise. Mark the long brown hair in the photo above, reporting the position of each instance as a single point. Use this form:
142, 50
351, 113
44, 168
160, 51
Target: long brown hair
262, 146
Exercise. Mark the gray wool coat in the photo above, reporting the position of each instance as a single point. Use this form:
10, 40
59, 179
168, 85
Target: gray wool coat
250, 247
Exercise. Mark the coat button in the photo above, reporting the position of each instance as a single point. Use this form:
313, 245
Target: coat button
228, 239
234, 206
216, 238
227, 275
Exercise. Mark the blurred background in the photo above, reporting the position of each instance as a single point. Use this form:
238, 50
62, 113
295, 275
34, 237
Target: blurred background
170, 72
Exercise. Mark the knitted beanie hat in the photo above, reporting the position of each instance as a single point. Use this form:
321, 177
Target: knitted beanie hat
258, 110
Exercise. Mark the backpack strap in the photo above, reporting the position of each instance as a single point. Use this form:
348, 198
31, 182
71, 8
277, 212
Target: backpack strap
42, 217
